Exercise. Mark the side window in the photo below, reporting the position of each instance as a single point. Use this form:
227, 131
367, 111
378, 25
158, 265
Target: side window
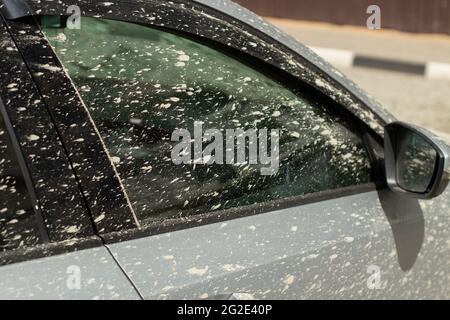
18, 222
141, 84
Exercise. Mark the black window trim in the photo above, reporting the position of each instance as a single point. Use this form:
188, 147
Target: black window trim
25, 173
53, 213
105, 197
114, 234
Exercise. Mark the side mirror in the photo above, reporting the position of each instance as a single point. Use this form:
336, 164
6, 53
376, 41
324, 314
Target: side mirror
417, 162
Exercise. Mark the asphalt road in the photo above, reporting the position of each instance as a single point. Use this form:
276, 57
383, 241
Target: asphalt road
411, 98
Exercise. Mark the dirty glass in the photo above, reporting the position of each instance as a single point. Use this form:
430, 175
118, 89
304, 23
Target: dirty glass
140, 84
18, 224
416, 162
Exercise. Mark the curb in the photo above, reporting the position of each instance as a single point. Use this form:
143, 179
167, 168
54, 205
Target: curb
431, 70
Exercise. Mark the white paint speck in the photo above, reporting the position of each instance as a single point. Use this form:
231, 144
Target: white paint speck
232, 267
115, 160
198, 271
183, 57
72, 229
289, 279
33, 137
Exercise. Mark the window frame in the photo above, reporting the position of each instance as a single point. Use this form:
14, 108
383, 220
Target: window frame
15, 145
54, 214
122, 229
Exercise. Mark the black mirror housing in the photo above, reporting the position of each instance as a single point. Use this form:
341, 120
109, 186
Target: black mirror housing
417, 162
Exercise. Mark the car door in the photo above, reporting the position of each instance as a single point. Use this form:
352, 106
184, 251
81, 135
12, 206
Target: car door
323, 226
48, 247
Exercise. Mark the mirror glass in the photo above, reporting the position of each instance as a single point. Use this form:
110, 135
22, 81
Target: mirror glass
415, 161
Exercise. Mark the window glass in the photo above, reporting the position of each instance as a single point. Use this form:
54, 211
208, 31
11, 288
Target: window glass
18, 224
140, 84
415, 162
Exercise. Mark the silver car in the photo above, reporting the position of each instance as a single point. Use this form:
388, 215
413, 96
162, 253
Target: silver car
94, 205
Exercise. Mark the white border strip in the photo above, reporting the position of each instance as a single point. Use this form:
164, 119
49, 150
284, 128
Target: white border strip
437, 70
345, 58
335, 56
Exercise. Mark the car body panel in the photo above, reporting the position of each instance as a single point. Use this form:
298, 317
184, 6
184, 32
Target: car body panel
316, 251
55, 278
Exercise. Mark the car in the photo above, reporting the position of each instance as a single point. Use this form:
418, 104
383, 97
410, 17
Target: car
93, 205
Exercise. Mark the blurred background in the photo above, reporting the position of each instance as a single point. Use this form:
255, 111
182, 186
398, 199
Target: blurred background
415, 33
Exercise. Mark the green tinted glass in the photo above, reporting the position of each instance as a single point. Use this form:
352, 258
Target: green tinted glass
140, 84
